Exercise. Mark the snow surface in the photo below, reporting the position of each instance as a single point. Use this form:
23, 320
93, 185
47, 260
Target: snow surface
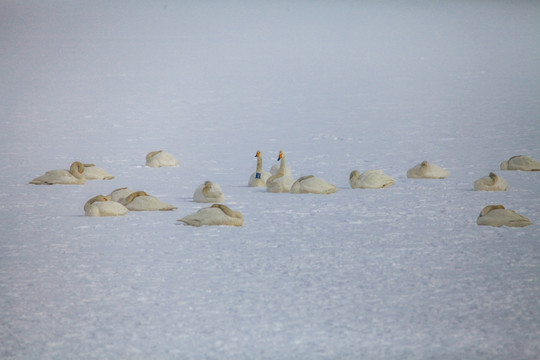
397, 273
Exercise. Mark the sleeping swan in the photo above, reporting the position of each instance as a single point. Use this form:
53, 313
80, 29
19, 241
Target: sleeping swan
217, 214
497, 215
491, 183
101, 206
75, 176
371, 179
120, 193
259, 177
141, 201
208, 192
426, 170
160, 158
282, 180
92, 172
313, 185
521, 162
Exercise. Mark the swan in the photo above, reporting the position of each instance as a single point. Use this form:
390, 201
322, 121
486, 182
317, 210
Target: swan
120, 193
521, 162
208, 192
426, 170
100, 205
497, 215
217, 214
160, 158
259, 177
92, 172
313, 185
371, 179
492, 182
141, 201
75, 176
282, 180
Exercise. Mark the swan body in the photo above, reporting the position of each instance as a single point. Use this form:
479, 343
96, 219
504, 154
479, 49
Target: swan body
160, 158
497, 216
371, 179
259, 177
101, 206
281, 181
492, 182
141, 201
521, 162
426, 170
92, 172
312, 185
75, 176
208, 192
217, 214
120, 193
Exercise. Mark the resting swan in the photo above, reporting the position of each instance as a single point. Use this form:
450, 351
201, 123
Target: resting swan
371, 179
259, 177
312, 185
120, 193
101, 206
141, 201
497, 216
208, 192
160, 158
75, 176
282, 180
426, 170
491, 183
92, 172
521, 162
217, 214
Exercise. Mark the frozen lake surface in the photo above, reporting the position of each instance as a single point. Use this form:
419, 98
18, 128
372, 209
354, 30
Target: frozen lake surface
397, 273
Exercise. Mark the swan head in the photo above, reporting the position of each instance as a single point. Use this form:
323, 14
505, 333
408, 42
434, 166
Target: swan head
281, 155
424, 163
258, 154
95, 199
355, 175
489, 208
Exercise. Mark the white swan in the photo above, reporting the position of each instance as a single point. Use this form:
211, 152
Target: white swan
312, 185
217, 214
160, 158
120, 193
75, 176
426, 170
92, 172
259, 177
208, 192
101, 206
497, 216
282, 180
141, 201
521, 162
492, 182
371, 179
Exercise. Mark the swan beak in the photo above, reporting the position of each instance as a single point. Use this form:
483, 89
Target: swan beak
257, 154
279, 157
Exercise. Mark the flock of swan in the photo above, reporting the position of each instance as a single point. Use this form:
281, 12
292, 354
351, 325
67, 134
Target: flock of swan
278, 180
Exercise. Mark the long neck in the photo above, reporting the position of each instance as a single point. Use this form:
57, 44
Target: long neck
75, 170
259, 165
283, 164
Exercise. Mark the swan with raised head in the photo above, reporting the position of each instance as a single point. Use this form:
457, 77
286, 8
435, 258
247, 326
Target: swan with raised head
75, 176
141, 201
92, 172
208, 192
521, 162
100, 205
281, 168
160, 158
371, 179
312, 185
259, 177
217, 214
120, 193
426, 170
497, 216
492, 182
282, 180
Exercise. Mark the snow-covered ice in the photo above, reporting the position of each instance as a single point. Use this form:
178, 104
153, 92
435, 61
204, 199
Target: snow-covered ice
396, 273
